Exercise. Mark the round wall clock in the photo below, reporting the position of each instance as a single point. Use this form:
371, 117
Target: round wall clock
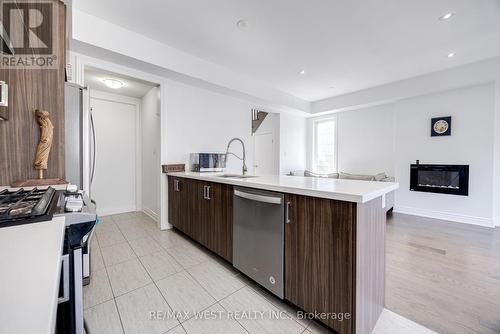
441, 126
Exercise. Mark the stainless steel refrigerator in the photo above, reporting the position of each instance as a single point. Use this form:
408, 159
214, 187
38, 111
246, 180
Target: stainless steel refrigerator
79, 150
80, 138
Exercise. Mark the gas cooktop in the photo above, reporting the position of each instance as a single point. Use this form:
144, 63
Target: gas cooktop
25, 206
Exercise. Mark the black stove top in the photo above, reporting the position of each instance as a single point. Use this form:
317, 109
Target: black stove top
25, 206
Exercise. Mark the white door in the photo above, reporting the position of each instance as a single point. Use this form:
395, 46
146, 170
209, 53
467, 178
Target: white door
264, 154
114, 184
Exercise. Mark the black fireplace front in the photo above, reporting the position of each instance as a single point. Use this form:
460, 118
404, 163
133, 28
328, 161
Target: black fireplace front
442, 179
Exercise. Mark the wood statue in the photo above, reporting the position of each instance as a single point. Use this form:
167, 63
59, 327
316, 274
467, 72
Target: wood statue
45, 142
42, 154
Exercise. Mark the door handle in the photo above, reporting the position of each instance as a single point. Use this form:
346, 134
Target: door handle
208, 193
177, 184
258, 198
287, 212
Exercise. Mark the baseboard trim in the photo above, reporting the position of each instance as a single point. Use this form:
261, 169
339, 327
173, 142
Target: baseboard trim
464, 219
114, 211
497, 222
151, 214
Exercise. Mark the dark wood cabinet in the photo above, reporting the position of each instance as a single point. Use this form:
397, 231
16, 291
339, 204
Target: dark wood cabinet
191, 214
177, 202
334, 250
319, 258
183, 205
174, 202
203, 211
218, 222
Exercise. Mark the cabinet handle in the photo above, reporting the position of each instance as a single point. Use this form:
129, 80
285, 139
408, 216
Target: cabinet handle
206, 192
177, 185
287, 212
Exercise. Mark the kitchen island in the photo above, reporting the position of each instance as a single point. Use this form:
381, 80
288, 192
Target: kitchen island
334, 238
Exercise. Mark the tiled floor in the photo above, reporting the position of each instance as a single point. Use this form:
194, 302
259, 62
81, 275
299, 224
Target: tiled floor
138, 269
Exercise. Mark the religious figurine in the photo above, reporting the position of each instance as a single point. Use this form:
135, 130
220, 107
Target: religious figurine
45, 142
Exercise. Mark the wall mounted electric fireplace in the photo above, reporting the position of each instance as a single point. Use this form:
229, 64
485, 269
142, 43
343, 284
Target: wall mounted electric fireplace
442, 179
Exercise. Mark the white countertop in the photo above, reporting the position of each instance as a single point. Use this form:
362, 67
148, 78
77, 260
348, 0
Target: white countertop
30, 266
339, 189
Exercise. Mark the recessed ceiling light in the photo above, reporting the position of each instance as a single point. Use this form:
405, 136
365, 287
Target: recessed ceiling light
113, 83
242, 24
302, 72
451, 54
446, 16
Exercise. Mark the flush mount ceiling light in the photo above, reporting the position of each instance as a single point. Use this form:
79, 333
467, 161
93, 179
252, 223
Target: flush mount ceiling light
451, 54
113, 83
446, 16
242, 24
302, 72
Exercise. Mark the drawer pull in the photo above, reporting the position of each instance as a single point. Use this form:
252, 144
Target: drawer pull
287, 213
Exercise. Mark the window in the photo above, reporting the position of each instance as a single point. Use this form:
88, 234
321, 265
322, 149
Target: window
324, 146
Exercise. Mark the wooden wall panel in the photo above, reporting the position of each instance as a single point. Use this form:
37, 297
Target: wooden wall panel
370, 264
319, 257
31, 89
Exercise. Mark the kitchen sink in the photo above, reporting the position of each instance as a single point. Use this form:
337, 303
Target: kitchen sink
236, 176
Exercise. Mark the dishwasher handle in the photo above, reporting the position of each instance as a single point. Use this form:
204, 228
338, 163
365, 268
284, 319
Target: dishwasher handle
258, 198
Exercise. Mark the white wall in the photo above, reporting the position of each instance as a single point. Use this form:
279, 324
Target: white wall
471, 143
202, 121
393, 136
366, 141
199, 120
151, 162
292, 143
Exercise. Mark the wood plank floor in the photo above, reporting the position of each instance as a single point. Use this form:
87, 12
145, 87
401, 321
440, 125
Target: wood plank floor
443, 275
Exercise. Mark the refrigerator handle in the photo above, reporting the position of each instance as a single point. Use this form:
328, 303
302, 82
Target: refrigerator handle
92, 127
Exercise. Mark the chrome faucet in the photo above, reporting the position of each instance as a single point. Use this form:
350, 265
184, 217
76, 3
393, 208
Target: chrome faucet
244, 168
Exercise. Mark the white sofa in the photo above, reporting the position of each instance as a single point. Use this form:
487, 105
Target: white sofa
380, 177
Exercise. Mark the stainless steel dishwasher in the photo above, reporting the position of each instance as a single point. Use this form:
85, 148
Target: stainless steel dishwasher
258, 237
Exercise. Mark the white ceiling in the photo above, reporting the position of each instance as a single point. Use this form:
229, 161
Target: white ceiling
343, 45
132, 87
